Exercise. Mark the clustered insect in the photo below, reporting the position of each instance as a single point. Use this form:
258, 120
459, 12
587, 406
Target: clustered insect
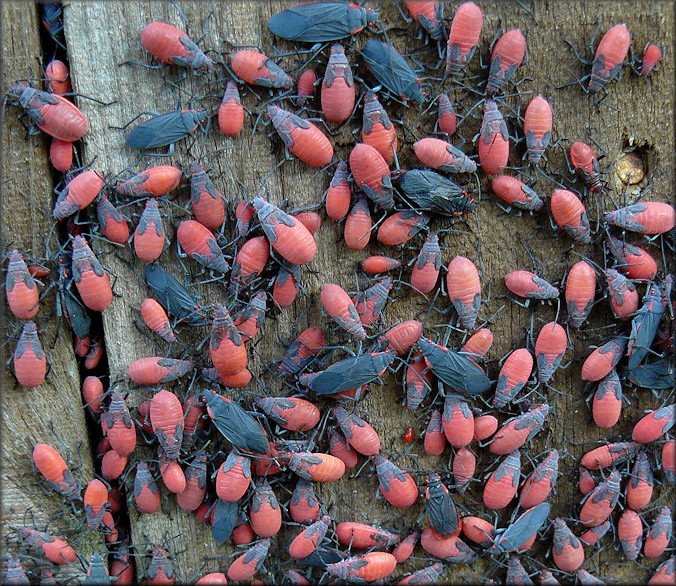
295, 436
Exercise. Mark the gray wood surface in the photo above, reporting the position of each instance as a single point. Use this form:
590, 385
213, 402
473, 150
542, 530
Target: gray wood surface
101, 36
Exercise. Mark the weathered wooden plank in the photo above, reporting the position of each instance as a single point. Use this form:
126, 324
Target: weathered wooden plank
29, 414
626, 116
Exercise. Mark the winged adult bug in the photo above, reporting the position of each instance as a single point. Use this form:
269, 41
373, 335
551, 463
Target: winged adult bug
397, 486
156, 370
369, 567
579, 292
146, 493
514, 375
640, 484
338, 90
609, 57
47, 546
149, 236
339, 306
516, 193
318, 22
622, 294
607, 403
537, 127
523, 529
400, 227
372, 175
602, 360
20, 289
652, 217
377, 129
493, 140
443, 156
231, 112
30, 361
507, 55
570, 215
257, 69
265, 514
501, 486
302, 138
644, 326
78, 193
165, 129
450, 548
309, 539
112, 223
654, 424
463, 37
173, 296
392, 71
236, 425
609, 454
635, 262
360, 435
153, 182
599, 504
454, 369
287, 235
517, 431
630, 533
659, 535
173, 47
458, 421
120, 428
51, 113
224, 517
430, 191
440, 507
249, 262
584, 161
651, 57
529, 285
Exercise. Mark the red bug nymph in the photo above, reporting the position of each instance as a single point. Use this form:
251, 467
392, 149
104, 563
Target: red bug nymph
338, 89
173, 47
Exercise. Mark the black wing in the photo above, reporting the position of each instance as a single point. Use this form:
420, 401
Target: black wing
159, 131
351, 373
312, 23
237, 426
225, 519
173, 296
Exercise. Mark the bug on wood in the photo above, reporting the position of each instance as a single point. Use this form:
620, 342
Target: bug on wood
513, 376
78, 193
599, 504
156, 370
537, 127
632, 260
20, 288
464, 289
30, 360
369, 567
112, 223
521, 531
654, 424
153, 182
377, 129
586, 164
146, 494
429, 15
265, 515
305, 87
149, 236
609, 57
397, 486
517, 431
607, 403
502, 485
166, 129
651, 57
166, 415
493, 140
372, 175
61, 155
338, 89
438, 154
309, 539
463, 37
360, 435
507, 55
200, 245
602, 360
392, 71
652, 217
173, 47
447, 121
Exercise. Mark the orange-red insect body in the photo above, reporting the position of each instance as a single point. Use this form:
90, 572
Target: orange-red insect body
166, 415
255, 68
160, 570
449, 548
301, 137
464, 466
92, 393
231, 112
501, 486
153, 182
233, 477
541, 481
529, 285
51, 113
655, 424
405, 547
57, 76
369, 567
265, 515
340, 448
463, 37
580, 290
478, 530
651, 57
516, 193
400, 227
537, 127
302, 351
594, 534
47, 546
361, 436
339, 306
53, 467
30, 361
146, 494
195, 483
338, 90
200, 245
372, 175
659, 534
652, 217
567, 553
484, 427
622, 293
609, 57
635, 262
570, 215
508, 53
514, 375
78, 194
305, 87
397, 486
380, 264
121, 430
291, 413
113, 465
464, 290
243, 216
113, 224
90, 279
493, 140
155, 370
250, 319
362, 536
246, 565
227, 349
95, 503
339, 195
403, 336
316, 466
518, 430
149, 237
430, 17
358, 225
172, 475
640, 485
609, 454
479, 343
207, 202
249, 262
584, 161
602, 360
435, 438
599, 503
371, 302
447, 121
173, 47
607, 403
550, 347
304, 506
458, 421
630, 533
377, 129
443, 156
61, 154
20, 288
309, 539
669, 461
288, 236
311, 220
156, 319
419, 380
